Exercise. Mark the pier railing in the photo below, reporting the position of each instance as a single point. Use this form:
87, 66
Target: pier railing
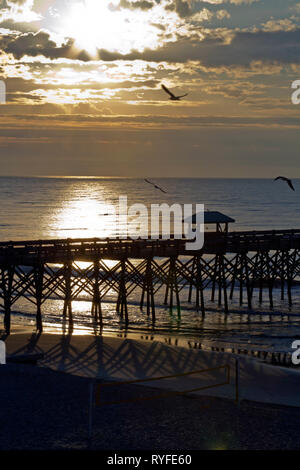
87, 248
96, 388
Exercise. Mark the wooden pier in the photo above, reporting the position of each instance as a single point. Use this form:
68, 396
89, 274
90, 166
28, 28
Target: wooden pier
229, 264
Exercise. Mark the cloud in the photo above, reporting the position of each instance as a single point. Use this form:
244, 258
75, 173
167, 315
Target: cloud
38, 44
182, 7
296, 7
285, 24
203, 15
234, 2
221, 14
60, 121
216, 146
18, 11
138, 4
218, 49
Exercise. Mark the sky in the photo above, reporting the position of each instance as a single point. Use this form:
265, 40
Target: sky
83, 88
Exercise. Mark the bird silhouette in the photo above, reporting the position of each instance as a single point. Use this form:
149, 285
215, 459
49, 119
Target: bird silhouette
287, 180
155, 186
172, 96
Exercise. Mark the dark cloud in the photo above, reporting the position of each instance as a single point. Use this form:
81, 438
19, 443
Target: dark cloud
12, 25
182, 7
216, 49
16, 2
130, 5
15, 85
9, 3
159, 26
213, 51
140, 4
34, 44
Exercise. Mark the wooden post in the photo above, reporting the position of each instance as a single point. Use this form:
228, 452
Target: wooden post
96, 305
254, 276
241, 275
220, 279
172, 287
270, 280
199, 286
38, 281
224, 284
191, 281
200, 278
143, 290
214, 279
68, 291
122, 297
234, 275
291, 272
261, 276
148, 289
289, 279
282, 273
249, 294
6, 283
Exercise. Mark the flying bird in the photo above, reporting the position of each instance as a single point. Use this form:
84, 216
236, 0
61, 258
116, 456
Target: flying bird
172, 96
287, 180
155, 186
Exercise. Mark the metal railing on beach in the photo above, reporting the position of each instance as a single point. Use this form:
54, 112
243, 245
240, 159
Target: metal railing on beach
95, 389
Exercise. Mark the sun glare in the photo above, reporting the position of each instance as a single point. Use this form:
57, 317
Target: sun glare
85, 217
101, 24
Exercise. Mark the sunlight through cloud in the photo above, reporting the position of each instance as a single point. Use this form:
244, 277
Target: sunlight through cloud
105, 25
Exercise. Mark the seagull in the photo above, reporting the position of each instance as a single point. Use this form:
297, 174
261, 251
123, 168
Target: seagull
288, 181
155, 185
172, 96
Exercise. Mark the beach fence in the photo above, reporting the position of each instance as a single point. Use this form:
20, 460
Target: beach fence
243, 264
96, 389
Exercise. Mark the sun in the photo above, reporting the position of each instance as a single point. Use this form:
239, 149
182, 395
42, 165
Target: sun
102, 24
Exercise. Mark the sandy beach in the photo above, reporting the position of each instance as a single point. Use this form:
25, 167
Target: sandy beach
46, 406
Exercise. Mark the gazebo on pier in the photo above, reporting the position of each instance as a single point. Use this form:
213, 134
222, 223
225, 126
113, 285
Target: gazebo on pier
221, 221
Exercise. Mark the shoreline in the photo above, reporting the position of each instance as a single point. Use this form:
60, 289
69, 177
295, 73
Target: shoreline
109, 358
265, 355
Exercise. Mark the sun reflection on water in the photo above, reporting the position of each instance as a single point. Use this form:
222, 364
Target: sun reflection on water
83, 215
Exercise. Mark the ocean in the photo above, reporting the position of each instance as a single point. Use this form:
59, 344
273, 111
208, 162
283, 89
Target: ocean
48, 208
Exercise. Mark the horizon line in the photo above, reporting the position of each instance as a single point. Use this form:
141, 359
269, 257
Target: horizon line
141, 177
